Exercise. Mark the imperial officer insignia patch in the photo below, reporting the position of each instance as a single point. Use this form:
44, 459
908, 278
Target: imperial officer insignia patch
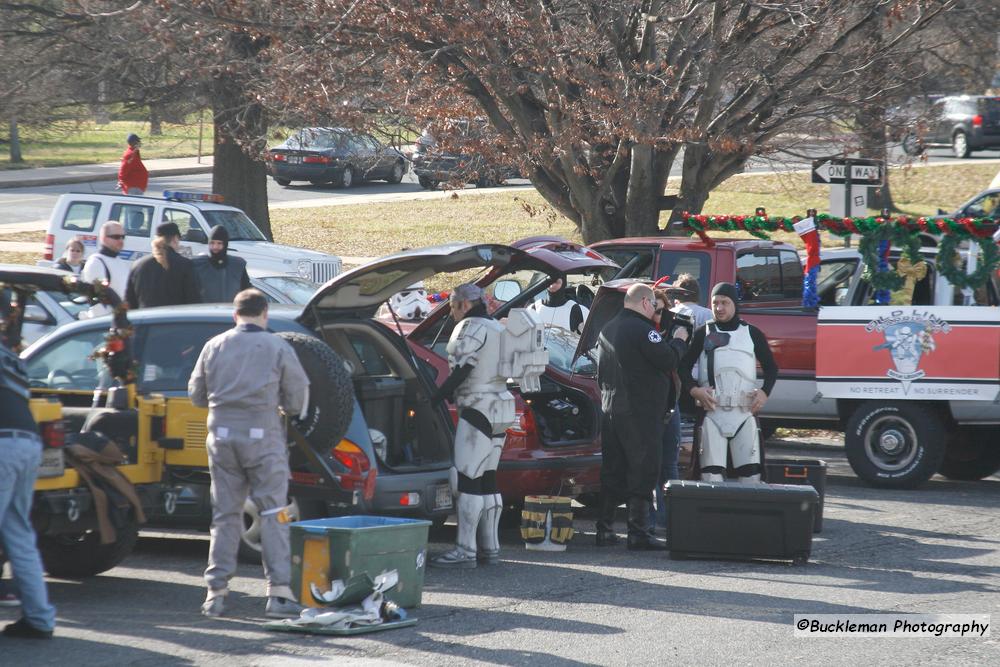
654, 337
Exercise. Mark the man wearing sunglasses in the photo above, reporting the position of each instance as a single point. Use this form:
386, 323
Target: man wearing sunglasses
106, 264
635, 372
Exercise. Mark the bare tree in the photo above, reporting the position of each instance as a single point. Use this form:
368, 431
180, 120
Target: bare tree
152, 55
598, 99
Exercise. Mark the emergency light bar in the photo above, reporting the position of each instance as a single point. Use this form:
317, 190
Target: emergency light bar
176, 195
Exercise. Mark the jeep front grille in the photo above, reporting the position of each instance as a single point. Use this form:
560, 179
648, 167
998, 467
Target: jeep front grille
324, 271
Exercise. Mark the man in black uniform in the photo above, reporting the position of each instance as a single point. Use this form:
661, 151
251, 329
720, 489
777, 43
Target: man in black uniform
635, 371
21, 450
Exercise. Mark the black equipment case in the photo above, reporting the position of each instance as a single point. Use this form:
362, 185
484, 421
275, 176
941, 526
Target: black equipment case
800, 471
736, 520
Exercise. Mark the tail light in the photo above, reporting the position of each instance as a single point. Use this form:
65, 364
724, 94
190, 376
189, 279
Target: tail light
977, 121
50, 241
360, 473
525, 425
316, 159
53, 434
278, 157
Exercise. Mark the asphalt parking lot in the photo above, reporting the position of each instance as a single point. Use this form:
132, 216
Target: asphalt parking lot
933, 550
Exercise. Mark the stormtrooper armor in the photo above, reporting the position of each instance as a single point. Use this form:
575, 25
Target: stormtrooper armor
485, 412
411, 303
729, 358
558, 316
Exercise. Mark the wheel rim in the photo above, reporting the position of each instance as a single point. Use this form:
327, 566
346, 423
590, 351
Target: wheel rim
909, 144
397, 172
960, 145
348, 177
891, 443
251, 522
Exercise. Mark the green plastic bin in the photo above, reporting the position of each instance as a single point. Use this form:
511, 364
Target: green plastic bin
344, 546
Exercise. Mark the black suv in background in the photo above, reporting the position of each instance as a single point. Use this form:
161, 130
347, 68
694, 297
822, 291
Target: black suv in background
964, 123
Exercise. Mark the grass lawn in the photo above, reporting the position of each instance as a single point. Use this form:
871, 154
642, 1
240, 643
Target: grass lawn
371, 230
377, 229
88, 143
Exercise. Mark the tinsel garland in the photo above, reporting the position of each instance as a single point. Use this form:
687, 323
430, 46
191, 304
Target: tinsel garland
899, 230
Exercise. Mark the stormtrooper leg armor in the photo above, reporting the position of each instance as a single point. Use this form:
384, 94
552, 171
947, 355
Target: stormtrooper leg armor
743, 445
478, 505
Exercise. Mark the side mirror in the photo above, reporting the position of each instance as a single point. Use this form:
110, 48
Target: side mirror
35, 313
505, 290
195, 235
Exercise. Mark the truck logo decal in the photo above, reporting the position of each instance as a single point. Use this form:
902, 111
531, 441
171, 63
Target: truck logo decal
907, 337
913, 353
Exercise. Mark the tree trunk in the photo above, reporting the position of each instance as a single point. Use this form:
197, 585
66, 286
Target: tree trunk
869, 120
595, 224
15, 142
240, 179
694, 187
642, 200
239, 173
155, 121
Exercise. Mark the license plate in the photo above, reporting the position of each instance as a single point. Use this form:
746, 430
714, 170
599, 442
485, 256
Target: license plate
442, 497
53, 464
294, 159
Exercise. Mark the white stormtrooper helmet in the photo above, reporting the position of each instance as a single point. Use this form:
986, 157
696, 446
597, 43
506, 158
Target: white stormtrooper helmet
411, 303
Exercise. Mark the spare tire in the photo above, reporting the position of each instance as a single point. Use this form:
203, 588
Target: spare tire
331, 392
83, 555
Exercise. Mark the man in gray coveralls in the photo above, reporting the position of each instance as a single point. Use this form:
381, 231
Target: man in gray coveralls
243, 376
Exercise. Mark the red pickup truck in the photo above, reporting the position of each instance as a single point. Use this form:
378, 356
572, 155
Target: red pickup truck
890, 443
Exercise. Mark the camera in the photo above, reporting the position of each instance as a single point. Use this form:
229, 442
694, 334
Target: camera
670, 321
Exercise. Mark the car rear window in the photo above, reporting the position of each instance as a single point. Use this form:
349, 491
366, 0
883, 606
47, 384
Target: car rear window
674, 263
990, 106
317, 140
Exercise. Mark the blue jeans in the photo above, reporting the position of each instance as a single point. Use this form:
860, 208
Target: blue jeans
668, 467
18, 469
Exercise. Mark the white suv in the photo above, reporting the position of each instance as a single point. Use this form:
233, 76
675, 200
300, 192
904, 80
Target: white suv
80, 215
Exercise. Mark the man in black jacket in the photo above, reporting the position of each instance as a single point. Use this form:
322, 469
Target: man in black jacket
222, 276
165, 278
635, 371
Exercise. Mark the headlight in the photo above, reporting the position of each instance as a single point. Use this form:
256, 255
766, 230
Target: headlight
305, 269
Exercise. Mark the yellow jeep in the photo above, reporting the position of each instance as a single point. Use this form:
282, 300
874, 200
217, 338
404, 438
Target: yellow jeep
158, 438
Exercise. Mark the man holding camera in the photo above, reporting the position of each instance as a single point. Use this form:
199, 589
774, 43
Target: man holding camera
635, 372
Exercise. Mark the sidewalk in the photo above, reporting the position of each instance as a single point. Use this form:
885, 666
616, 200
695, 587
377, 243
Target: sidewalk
107, 171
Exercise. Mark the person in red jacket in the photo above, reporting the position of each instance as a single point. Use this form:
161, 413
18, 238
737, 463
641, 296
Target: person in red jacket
132, 175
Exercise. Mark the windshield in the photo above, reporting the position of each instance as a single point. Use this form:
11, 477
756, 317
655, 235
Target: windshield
239, 226
298, 290
561, 345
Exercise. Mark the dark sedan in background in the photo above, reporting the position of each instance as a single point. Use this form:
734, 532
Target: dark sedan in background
335, 155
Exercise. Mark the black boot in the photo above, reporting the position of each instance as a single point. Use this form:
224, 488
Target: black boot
639, 538
606, 536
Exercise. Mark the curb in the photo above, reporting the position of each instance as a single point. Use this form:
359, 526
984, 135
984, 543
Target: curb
93, 178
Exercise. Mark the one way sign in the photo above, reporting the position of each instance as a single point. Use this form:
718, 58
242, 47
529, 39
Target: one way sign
834, 171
